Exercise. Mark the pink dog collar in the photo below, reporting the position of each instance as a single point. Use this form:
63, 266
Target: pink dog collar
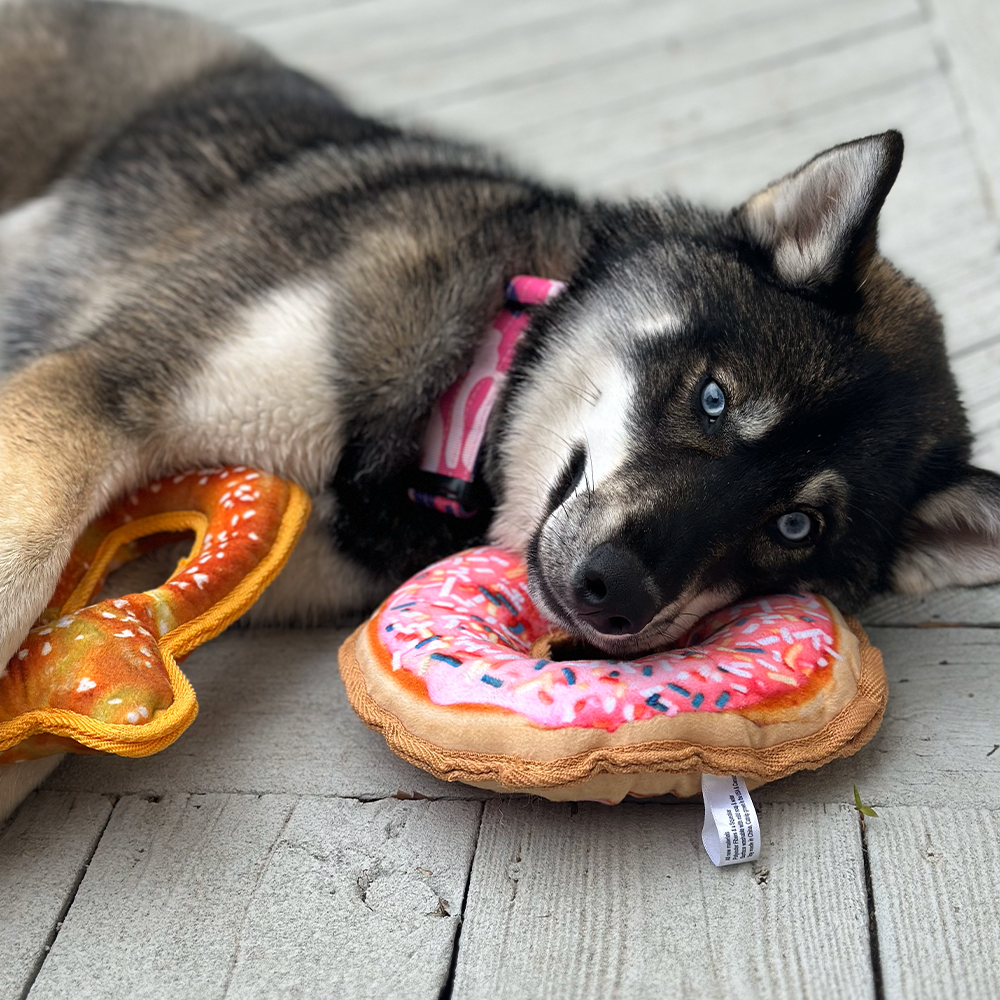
458, 420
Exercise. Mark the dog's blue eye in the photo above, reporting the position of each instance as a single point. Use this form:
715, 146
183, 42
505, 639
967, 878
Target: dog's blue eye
713, 400
795, 526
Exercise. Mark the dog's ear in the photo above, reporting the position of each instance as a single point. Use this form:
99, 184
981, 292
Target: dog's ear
818, 226
953, 537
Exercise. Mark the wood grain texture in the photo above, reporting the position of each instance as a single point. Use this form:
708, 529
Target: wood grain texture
273, 718
421, 64
246, 896
695, 45
623, 903
969, 31
43, 853
359, 900
969, 606
160, 911
936, 882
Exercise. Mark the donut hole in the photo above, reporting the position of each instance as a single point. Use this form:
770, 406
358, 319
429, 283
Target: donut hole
559, 645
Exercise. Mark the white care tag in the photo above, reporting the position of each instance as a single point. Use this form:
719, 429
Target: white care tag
731, 833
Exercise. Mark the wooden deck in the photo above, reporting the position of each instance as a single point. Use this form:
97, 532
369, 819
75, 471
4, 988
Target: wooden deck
279, 850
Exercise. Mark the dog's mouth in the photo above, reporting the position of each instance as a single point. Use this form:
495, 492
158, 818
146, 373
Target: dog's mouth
583, 641
583, 638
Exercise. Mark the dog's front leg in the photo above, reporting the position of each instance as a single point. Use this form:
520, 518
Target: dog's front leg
61, 460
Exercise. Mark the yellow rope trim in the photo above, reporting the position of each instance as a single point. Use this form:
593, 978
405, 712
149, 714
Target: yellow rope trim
171, 520
166, 725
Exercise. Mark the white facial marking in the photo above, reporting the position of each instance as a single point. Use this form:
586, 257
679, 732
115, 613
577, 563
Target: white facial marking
604, 426
655, 327
755, 418
822, 488
581, 393
688, 609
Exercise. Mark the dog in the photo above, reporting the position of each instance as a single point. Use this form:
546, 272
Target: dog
207, 257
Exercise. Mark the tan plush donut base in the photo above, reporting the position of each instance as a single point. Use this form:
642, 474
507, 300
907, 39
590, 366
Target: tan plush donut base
498, 749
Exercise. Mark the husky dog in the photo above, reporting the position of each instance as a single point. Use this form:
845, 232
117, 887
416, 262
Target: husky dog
206, 257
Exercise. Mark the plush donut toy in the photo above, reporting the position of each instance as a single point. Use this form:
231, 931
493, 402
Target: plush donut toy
456, 670
105, 677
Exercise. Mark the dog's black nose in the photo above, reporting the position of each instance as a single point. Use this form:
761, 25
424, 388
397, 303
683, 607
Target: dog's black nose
613, 592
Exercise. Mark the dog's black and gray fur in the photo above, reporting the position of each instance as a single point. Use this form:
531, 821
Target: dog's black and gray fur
206, 257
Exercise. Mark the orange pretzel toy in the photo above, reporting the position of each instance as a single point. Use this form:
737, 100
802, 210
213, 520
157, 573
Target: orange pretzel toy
105, 678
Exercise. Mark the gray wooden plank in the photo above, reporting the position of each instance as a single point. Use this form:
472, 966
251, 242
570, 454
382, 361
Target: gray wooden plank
592, 147
360, 900
160, 910
273, 718
970, 33
956, 606
695, 44
246, 896
987, 448
412, 45
624, 903
254, 12
935, 746
936, 883
659, 46
43, 853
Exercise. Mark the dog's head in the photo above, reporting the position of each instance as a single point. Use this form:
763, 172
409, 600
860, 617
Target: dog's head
733, 404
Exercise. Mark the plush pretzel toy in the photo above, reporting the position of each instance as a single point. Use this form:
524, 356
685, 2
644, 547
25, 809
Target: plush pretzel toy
105, 677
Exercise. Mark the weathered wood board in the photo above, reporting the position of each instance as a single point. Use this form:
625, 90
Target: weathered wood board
936, 886
622, 903
960, 606
937, 743
968, 31
243, 896
44, 851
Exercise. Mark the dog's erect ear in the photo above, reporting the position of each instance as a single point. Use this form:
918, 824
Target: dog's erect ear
953, 537
818, 225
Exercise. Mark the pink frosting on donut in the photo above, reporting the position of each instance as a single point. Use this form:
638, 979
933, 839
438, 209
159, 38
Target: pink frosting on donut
466, 624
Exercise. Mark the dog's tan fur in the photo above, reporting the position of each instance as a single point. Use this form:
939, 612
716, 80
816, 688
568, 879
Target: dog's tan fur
61, 464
